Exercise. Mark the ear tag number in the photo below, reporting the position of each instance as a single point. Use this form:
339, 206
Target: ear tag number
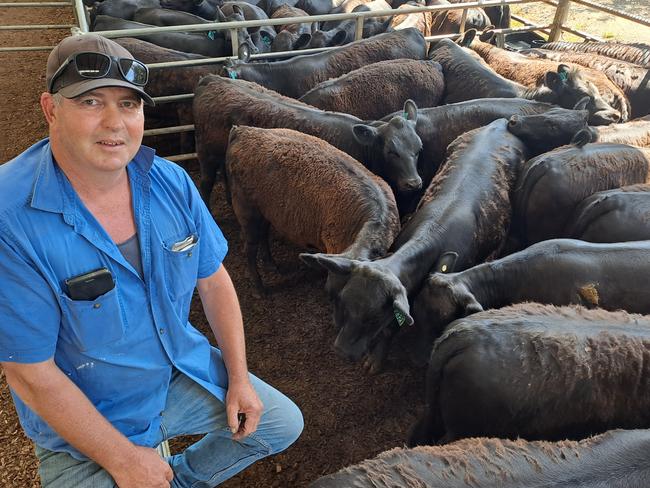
399, 316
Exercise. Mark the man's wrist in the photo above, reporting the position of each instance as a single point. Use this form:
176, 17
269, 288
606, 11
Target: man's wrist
121, 457
238, 377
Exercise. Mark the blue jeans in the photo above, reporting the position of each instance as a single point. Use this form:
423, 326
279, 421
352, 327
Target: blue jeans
216, 457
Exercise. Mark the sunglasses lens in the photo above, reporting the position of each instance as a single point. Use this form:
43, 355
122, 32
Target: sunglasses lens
134, 71
92, 65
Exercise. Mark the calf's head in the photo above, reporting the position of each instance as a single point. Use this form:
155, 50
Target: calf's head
544, 132
570, 87
330, 38
394, 148
369, 304
243, 35
440, 302
289, 41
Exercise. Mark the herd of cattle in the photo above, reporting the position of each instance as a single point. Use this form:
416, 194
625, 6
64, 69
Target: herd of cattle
497, 201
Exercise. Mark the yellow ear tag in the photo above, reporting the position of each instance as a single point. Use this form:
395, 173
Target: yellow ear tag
444, 268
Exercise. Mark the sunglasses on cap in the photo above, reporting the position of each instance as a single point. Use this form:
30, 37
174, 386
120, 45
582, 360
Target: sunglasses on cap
90, 65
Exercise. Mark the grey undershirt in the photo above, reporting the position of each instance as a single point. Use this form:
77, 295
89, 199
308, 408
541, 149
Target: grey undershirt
130, 249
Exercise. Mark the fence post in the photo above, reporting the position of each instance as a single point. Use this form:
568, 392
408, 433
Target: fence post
358, 31
234, 40
463, 20
561, 14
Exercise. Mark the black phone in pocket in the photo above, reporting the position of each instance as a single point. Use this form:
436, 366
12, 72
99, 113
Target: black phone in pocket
91, 285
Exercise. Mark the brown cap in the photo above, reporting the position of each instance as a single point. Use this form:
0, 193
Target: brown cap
70, 84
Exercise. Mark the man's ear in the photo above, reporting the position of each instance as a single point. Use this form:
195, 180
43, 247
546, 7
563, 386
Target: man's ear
48, 106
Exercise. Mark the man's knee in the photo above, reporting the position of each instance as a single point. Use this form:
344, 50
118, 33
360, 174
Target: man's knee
294, 424
282, 423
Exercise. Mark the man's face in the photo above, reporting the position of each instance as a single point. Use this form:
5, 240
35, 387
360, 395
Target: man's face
98, 131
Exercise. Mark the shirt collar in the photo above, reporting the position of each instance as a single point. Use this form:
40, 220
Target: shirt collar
48, 193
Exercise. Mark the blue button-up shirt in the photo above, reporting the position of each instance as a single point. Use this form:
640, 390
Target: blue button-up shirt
121, 347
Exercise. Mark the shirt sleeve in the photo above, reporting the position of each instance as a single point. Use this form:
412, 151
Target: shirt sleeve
29, 311
212, 244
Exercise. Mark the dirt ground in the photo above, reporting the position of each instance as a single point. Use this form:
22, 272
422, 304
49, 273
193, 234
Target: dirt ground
349, 416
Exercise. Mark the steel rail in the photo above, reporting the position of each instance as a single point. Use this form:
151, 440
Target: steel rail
36, 4
36, 26
169, 130
25, 48
204, 61
296, 20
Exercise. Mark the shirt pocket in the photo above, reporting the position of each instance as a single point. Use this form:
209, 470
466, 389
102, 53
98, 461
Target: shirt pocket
92, 323
181, 266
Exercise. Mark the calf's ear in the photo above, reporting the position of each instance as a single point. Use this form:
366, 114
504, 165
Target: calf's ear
244, 52
446, 263
302, 41
401, 308
364, 134
338, 38
266, 37
410, 110
488, 34
220, 15
582, 104
467, 302
553, 81
584, 136
330, 262
466, 39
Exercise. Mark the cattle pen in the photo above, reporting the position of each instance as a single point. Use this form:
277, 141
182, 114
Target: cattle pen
277, 313
551, 30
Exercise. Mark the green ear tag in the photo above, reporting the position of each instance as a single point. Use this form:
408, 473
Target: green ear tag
405, 115
232, 75
211, 35
399, 316
563, 76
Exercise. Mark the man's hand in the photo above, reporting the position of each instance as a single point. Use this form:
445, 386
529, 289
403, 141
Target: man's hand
242, 402
146, 470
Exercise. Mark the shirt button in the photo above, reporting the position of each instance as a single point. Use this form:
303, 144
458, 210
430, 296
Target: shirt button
97, 305
161, 330
189, 254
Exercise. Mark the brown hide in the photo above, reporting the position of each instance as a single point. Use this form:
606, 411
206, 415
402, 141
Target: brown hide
634, 52
634, 133
531, 72
310, 192
385, 87
632, 79
285, 11
616, 459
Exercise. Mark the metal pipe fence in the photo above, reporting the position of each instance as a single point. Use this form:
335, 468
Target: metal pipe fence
553, 30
